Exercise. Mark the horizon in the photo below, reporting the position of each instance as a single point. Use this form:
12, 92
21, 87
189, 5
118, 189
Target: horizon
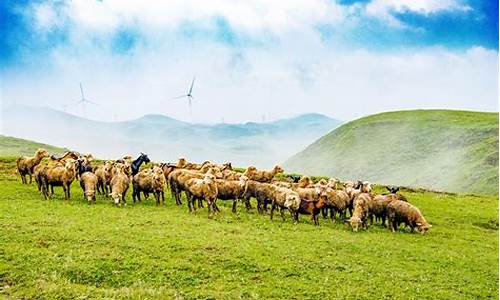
251, 62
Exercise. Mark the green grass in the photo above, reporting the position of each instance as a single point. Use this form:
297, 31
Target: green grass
454, 151
11, 146
69, 250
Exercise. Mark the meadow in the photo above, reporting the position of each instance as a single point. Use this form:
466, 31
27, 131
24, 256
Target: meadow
71, 250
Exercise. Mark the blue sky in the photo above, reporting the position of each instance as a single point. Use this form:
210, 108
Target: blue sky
308, 55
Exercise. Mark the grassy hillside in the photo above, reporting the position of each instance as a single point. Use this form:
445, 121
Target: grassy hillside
11, 146
446, 150
58, 250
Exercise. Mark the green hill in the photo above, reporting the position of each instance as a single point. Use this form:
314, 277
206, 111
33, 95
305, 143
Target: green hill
10, 146
454, 151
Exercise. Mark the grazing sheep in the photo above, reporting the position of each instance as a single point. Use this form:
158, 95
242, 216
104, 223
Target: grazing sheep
202, 189
26, 165
262, 176
59, 176
104, 175
88, 182
360, 213
119, 186
284, 198
337, 201
403, 212
230, 190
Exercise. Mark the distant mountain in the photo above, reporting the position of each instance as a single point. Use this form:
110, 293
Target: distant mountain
166, 139
454, 151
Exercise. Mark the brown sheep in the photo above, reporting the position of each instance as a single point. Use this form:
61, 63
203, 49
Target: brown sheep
88, 182
360, 213
59, 176
158, 185
262, 176
229, 174
284, 198
202, 189
332, 183
104, 174
262, 192
403, 212
142, 182
230, 190
312, 208
378, 207
26, 165
178, 177
119, 186
337, 201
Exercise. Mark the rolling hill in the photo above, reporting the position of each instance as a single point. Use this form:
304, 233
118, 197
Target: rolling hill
447, 150
11, 146
166, 139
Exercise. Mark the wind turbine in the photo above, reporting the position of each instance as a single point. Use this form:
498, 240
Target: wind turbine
189, 96
84, 100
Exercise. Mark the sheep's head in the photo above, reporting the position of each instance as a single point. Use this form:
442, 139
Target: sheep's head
322, 181
144, 157
423, 226
181, 163
292, 200
355, 222
250, 170
366, 187
348, 184
42, 153
209, 178
215, 172
304, 181
70, 164
119, 168
278, 169
332, 182
227, 166
89, 195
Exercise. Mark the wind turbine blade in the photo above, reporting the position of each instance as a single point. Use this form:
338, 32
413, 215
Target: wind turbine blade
91, 102
190, 111
178, 97
191, 88
81, 90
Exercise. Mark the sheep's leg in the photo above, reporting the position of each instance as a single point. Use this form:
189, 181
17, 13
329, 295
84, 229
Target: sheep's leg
162, 198
332, 215
30, 178
324, 212
282, 212
272, 211
210, 209
216, 208
234, 206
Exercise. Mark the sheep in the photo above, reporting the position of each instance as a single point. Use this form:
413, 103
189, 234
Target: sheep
104, 174
202, 189
284, 198
88, 182
360, 213
158, 185
178, 177
262, 192
26, 165
83, 164
365, 187
119, 185
262, 176
230, 190
378, 207
59, 176
229, 174
312, 208
337, 201
332, 183
403, 212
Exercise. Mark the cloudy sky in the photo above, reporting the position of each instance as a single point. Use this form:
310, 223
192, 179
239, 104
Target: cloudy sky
252, 59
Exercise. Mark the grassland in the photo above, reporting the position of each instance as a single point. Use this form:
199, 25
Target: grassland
11, 146
444, 150
70, 250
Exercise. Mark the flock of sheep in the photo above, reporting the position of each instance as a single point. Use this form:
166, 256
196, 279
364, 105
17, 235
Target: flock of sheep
209, 182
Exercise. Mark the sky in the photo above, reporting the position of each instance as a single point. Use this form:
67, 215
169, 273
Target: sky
253, 60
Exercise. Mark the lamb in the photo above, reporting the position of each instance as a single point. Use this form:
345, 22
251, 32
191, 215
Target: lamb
312, 208
230, 190
104, 174
262, 176
88, 182
403, 212
202, 189
119, 185
26, 165
59, 176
